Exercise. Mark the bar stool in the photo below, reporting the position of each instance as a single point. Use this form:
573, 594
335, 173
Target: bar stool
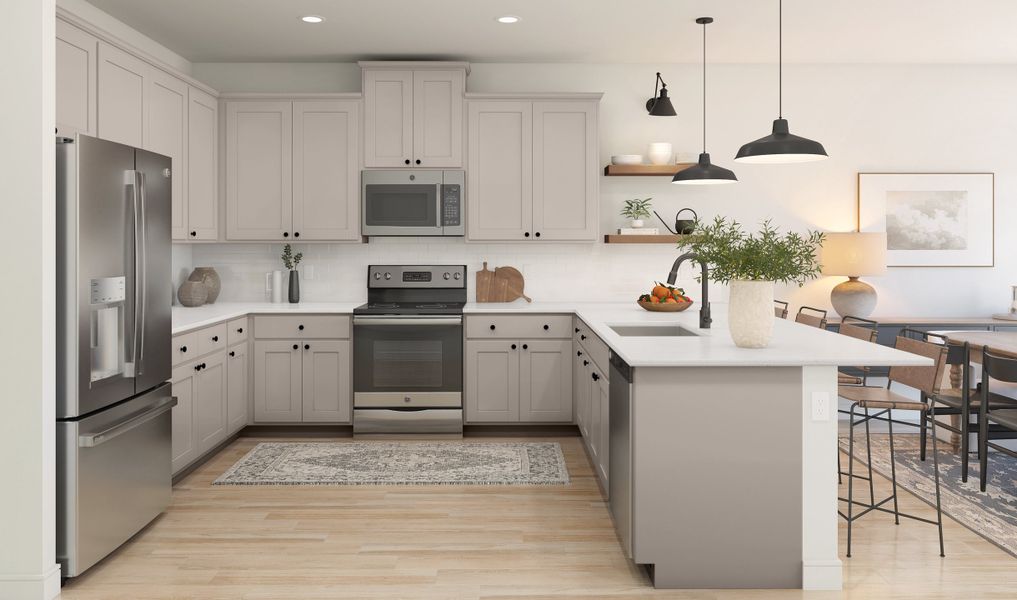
780, 309
868, 331
1004, 369
927, 381
815, 317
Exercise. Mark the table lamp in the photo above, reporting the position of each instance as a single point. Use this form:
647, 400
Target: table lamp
853, 255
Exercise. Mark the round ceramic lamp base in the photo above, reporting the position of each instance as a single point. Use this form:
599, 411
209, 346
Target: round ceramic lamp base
853, 298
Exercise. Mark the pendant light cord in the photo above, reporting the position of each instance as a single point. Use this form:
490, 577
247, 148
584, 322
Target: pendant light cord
780, 59
704, 88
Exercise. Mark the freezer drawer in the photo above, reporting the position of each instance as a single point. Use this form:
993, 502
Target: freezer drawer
113, 477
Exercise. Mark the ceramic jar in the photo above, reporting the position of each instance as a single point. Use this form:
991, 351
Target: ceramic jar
750, 313
660, 153
192, 293
209, 277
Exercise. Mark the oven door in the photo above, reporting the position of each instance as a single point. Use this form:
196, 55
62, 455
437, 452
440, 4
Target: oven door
407, 362
402, 203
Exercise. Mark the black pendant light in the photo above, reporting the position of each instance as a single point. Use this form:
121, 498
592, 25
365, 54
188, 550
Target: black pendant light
703, 172
660, 106
781, 146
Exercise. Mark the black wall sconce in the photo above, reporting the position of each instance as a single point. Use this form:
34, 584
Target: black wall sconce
660, 106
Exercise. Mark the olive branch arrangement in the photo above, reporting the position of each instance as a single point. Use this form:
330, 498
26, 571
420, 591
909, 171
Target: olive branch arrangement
290, 260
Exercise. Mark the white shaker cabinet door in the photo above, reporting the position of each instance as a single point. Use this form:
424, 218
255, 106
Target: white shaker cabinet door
388, 118
167, 134
545, 381
327, 386
499, 175
202, 203
277, 381
76, 64
565, 171
492, 381
438, 118
326, 170
122, 104
236, 388
185, 441
259, 154
210, 402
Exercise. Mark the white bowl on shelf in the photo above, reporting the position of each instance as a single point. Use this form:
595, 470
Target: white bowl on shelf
661, 153
627, 159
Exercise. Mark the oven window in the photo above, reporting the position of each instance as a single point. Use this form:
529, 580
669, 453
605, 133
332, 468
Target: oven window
408, 364
401, 205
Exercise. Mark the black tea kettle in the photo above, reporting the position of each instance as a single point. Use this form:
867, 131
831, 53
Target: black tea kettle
681, 226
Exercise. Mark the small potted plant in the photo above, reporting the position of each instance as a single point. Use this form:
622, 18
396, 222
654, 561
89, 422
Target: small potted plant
291, 261
636, 210
751, 263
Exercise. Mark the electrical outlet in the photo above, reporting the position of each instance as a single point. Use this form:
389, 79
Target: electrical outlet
820, 406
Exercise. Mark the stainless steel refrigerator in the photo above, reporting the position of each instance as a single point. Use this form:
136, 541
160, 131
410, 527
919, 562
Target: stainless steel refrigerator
113, 346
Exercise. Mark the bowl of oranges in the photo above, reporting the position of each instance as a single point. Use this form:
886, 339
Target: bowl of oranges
665, 298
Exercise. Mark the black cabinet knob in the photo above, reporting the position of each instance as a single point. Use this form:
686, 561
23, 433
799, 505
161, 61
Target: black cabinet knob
586, 363
537, 234
595, 377
527, 234
295, 346
194, 234
407, 161
232, 354
215, 338
307, 346
582, 337
492, 327
300, 327
418, 161
296, 234
579, 352
240, 329
546, 327
513, 346
286, 234
197, 367
525, 347
577, 330
183, 348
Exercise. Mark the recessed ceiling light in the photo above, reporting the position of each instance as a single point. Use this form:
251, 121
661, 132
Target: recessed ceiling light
312, 19
508, 19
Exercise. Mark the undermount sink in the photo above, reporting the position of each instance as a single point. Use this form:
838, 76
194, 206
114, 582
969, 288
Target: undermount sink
652, 331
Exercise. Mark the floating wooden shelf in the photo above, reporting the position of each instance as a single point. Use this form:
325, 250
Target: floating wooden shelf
641, 239
644, 170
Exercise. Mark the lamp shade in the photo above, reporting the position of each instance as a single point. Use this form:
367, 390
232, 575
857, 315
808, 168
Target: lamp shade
854, 254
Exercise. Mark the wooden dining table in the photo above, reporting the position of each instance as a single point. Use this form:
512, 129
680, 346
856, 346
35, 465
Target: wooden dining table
1002, 343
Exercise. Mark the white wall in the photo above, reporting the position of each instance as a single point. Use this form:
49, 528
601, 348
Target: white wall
28, 568
870, 118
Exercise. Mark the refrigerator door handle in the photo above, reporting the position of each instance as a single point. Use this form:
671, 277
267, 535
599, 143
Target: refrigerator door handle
95, 439
140, 269
131, 352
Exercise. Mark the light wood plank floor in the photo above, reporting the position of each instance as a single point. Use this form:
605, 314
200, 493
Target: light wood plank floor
310, 542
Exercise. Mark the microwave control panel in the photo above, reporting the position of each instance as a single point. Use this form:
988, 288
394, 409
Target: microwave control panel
451, 201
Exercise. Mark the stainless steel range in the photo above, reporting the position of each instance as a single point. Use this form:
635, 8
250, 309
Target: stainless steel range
408, 350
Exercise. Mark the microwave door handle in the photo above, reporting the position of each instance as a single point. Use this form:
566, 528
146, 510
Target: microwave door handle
141, 270
441, 218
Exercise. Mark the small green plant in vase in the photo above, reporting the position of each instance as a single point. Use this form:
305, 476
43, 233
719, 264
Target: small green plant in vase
636, 210
291, 261
750, 263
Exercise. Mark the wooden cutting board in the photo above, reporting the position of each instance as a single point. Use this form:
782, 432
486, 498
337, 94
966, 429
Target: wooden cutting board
504, 284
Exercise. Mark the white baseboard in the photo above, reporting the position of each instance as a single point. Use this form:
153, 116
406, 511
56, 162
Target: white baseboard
822, 575
31, 587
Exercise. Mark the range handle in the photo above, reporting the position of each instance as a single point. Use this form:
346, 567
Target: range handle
408, 320
96, 439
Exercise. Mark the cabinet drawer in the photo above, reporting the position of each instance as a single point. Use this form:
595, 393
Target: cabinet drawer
212, 338
591, 344
236, 330
185, 346
301, 327
519, 326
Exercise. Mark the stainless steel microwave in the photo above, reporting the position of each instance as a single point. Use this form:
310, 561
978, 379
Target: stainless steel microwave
413, 202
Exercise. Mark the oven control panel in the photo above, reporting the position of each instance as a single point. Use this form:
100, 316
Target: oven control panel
416, 276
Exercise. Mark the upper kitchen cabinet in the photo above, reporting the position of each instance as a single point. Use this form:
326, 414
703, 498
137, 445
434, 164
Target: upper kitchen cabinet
167, 135
259, 170
326, 170
413, 114
122, 98
293, 169
532, 171
201, 218
76, 63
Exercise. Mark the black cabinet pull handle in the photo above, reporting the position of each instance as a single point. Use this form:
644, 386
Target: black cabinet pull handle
546, 327
240, 329
286, 234
215, 338
232, 354
194, 234
407, 161
513, 346
527, 234
579, 352
595, 377
307, 346
296, 234
295, 346
525, 347
183, 348
537, 234
492, 327
300, 327
586, 363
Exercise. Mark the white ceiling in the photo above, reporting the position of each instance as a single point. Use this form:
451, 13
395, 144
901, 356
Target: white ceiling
596, 31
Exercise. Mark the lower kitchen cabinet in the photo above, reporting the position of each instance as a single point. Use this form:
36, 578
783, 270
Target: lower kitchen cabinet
210, 402
581, 389
185, 441
518, 381
601, 397
302, 381
236, 388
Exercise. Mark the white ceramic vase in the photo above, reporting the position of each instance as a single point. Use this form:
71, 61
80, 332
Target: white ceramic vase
750, 313
660, 153
636, 223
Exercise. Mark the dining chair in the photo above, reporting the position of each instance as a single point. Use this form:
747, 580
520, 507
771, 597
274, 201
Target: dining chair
815, 317
926, 380
780, 309
1003, 369
866, 330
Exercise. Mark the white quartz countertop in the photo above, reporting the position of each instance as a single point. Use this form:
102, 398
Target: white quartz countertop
792, 345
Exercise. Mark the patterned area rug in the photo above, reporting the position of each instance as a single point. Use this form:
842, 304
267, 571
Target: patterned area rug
400, 463
992, 514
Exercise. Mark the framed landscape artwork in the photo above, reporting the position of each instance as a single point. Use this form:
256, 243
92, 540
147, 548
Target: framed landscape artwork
930, 219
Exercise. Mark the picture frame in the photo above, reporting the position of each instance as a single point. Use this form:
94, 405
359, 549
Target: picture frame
931, 219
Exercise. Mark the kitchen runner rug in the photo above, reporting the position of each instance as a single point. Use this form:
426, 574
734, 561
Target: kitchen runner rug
992, 514
400, 463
